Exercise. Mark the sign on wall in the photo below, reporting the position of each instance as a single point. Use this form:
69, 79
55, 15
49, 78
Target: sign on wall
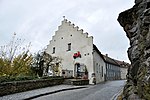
77, 55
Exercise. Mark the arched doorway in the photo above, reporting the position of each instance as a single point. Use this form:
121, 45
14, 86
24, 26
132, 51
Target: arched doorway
80, 71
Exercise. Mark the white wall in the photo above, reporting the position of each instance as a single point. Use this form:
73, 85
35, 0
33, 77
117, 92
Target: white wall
123, 73
98, 64
68, 33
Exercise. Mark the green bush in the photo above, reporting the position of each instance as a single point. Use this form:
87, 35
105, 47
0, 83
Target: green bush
15, 60
23, 78
19, 78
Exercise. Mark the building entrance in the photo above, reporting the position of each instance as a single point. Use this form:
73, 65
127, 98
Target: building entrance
80, 71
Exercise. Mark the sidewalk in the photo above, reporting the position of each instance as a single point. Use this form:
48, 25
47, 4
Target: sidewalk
41, 92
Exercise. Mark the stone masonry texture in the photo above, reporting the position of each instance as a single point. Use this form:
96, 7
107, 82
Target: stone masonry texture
20, 86
136, 24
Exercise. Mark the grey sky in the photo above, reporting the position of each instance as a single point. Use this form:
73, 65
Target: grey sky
37, 20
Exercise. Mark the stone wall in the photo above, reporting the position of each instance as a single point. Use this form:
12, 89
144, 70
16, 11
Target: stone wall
20, 86
80, 82
136, 24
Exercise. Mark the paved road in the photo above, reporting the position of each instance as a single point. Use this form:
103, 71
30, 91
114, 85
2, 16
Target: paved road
38, 92
103, 91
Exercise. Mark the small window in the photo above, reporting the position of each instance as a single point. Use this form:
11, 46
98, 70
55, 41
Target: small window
102, 71
97, 69
53, 49
69, 47
70, 35
61, 37
88, 54
84, 54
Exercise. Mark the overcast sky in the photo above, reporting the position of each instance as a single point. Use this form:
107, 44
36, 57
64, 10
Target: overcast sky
37, 20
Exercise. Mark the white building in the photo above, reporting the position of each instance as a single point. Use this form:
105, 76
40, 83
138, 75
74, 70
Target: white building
124, 68
124, 72
80, 57
113, 70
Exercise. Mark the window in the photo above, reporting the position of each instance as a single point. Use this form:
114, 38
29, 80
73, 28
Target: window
102, 71
69, 47
99, 69
63, 72
53, 49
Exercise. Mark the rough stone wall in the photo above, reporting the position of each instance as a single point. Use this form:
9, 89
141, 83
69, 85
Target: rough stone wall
20, 86
136, 24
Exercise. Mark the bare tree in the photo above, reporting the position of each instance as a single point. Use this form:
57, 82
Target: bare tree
15, 59
13, 48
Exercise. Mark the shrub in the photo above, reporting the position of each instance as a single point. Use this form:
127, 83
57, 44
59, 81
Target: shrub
15, 60
18, 78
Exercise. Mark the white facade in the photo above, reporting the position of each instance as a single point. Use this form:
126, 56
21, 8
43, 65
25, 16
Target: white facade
123, 68
124, 73
69, 40
99, 67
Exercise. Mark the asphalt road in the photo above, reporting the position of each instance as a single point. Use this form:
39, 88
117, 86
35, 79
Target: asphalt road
103, 91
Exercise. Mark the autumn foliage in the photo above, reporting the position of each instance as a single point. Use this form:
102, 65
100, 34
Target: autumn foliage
15, 60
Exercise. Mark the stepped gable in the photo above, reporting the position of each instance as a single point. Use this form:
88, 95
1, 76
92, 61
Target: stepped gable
68, 25
72, 25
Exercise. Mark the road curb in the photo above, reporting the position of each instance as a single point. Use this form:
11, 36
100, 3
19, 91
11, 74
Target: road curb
52, 92
117, 94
